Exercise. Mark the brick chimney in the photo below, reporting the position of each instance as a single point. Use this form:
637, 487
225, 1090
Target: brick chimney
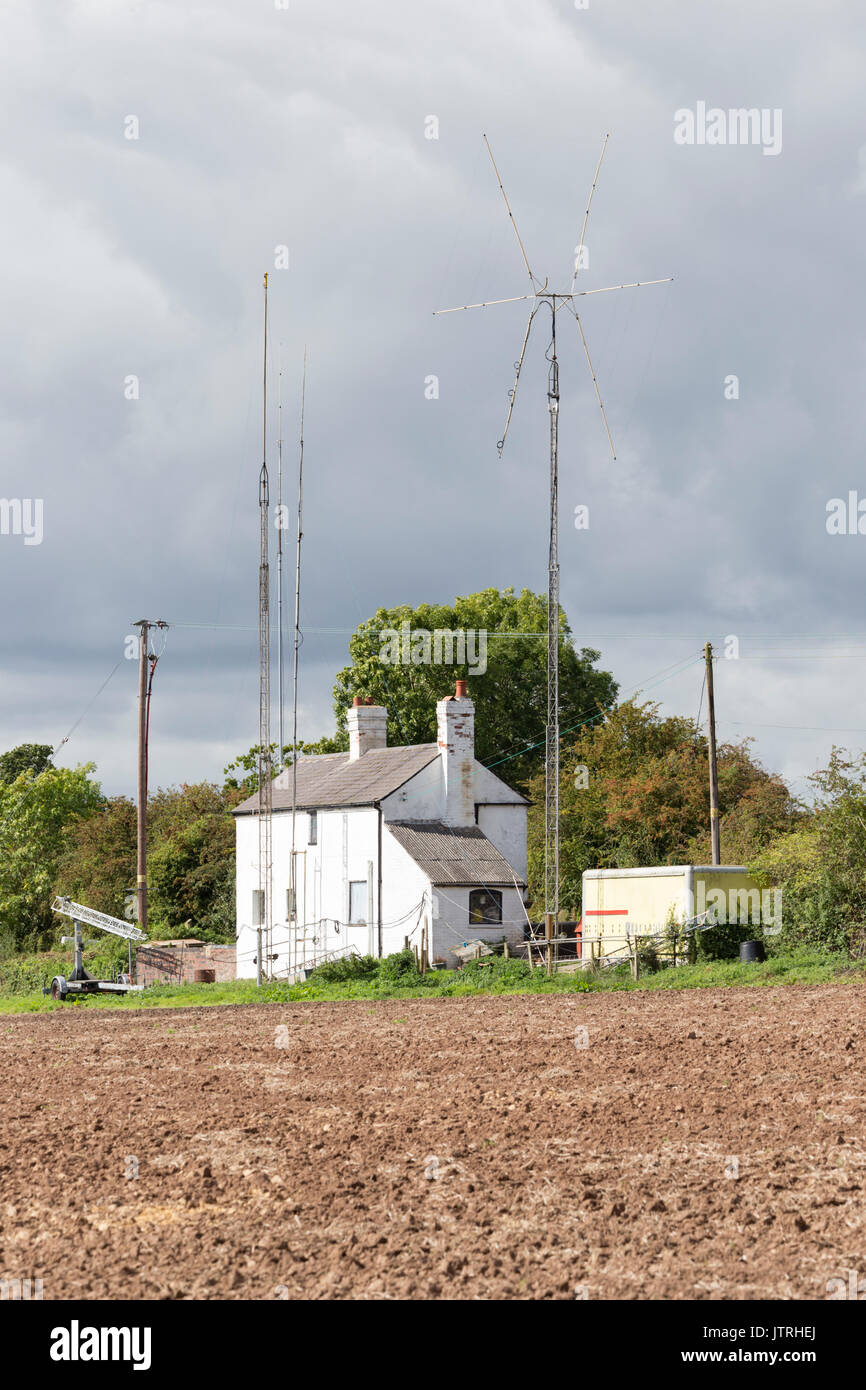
455, 721
368, 727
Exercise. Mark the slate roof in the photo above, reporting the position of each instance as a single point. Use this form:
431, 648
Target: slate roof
333, 779
460, 855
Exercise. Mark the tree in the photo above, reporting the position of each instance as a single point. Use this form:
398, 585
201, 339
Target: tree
821, 866
242, 775
27, 757
634, 791
37, 815
99, 864
191, 858
510, 692
191, 862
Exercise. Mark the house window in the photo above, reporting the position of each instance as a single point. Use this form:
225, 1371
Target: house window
313, 836
358, 900
485, 907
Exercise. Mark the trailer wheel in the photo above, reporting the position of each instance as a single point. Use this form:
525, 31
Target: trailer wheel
58, 989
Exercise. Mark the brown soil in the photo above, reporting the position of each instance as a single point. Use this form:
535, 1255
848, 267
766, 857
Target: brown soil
451, 1148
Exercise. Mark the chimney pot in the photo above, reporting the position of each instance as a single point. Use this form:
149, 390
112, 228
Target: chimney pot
367, 724
461, 690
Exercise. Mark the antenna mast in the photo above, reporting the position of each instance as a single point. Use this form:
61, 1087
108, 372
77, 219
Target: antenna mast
297, 643
265, 771
556, 300
282, 739
551, 741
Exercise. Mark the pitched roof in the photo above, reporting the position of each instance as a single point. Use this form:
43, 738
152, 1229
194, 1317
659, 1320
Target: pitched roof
335, 779
460, 855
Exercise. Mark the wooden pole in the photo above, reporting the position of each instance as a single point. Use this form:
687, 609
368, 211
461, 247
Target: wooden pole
505, 951
714, 776
141, 828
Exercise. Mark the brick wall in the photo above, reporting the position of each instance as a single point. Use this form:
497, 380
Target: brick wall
168, 963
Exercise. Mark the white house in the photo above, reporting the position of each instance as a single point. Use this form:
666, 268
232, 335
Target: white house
386, 839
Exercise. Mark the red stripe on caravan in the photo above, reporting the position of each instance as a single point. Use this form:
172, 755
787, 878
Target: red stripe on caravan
606, 912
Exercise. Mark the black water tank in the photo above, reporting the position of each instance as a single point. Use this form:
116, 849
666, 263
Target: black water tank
752, 950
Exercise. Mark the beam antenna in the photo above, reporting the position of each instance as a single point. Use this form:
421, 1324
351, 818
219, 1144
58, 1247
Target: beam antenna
556, 300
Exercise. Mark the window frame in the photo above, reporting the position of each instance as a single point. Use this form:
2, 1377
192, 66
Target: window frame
495, 896
359, 883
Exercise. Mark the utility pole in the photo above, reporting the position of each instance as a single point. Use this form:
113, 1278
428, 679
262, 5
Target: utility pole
145, 682
714, 776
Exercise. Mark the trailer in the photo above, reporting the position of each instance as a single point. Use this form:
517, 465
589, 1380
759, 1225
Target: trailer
80, 982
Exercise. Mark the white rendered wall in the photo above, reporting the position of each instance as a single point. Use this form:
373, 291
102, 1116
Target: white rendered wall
451, 926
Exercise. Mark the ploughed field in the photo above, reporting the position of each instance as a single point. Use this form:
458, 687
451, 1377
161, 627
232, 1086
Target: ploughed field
700, 1144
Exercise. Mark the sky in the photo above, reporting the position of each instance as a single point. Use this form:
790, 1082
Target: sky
159, 158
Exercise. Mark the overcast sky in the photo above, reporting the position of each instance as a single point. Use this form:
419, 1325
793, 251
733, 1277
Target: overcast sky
305, 126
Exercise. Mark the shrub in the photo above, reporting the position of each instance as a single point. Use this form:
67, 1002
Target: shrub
347, 968
495, 969
722, 942
400, 968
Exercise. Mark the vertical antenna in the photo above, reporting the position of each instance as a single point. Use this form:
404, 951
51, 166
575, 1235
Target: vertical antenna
280, 701
265, 770
297, 643
551, 749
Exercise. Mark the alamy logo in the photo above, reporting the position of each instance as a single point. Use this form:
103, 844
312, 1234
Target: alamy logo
855, 1289
846, 518
76, 1343
443, 646
22, 516
20, 1290
738, 906
739, 126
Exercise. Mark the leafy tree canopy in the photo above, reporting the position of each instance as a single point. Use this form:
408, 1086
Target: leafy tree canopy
634, 791
510, 695
27, 757
821, 865
37, 815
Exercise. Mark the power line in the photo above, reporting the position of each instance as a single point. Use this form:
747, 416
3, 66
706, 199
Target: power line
667, 673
